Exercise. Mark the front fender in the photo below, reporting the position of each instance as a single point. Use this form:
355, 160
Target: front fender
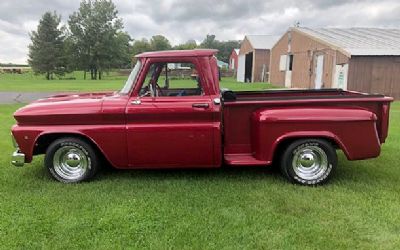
110, 140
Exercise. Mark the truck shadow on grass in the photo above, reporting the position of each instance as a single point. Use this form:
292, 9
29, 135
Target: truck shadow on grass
225, 172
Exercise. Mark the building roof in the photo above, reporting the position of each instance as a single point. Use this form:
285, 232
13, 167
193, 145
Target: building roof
262, 41
359, 41
180, 53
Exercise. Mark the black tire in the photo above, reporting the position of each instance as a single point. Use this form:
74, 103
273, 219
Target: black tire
63, 155
299, 162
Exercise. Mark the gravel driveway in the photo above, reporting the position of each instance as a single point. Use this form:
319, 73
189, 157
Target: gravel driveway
22, 97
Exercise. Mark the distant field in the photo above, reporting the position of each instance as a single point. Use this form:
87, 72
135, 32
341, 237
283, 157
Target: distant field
29, 82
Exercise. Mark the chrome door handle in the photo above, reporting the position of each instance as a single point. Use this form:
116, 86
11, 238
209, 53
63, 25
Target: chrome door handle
136, 102
200, 105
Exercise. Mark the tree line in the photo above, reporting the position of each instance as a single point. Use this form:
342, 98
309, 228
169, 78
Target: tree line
94, 41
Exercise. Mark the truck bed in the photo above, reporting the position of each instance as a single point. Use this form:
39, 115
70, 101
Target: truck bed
239, 109
299, 94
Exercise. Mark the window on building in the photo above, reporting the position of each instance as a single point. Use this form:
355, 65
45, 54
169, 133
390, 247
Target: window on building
286, 63
282, 63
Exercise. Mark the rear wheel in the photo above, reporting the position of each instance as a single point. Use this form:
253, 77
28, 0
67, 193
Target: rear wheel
309, 161
71, 160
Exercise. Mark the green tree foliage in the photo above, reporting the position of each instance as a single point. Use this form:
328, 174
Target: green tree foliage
190, 44
224, 47
210, 42
156, 43
122, 51
140, 46
159, 42
46, 52
97, 39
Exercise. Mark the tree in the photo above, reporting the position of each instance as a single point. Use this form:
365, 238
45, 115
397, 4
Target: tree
159, 42
121, 51
140, 46
96, 31
189, 44
210, 42
46, 52
224, 47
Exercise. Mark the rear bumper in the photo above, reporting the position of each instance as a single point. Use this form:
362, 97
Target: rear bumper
18, 158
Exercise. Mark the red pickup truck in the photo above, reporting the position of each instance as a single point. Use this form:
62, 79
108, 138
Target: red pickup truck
171, 113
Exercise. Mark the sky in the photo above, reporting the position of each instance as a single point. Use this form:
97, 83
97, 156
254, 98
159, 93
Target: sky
181, 20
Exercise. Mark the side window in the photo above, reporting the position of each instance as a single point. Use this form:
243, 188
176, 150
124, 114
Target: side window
172, 79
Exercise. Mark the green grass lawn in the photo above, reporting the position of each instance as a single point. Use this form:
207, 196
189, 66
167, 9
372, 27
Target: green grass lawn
243, 208
29, 82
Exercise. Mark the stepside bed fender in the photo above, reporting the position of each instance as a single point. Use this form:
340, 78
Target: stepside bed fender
352, 129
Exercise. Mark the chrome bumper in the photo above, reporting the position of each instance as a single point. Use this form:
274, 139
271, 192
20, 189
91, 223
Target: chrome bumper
18, 158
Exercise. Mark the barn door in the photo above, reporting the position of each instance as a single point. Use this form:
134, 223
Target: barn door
288, 79
241, 68
319, 68
289, 68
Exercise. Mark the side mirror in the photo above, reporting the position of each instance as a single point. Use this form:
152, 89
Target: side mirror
147, 93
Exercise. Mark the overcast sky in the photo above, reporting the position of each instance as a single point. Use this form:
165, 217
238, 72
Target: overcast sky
193, 19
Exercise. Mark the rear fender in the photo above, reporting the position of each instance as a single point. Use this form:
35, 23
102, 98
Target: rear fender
353, 130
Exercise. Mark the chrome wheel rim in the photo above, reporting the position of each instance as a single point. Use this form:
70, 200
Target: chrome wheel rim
70, 162
310, 163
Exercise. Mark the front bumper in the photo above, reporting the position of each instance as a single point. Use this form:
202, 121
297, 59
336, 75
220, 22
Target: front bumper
18, 158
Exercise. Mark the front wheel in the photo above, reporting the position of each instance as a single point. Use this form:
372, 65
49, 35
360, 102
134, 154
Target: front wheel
309, 161
71, 160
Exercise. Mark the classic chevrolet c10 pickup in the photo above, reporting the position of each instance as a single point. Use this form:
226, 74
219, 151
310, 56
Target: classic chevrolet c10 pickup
171, 113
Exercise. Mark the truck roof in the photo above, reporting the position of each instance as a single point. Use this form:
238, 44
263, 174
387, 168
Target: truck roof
180, 53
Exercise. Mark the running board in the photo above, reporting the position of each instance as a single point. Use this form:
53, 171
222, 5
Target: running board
243, 160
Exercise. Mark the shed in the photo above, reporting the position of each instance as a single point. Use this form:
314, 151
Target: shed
254, 58
233, 59
360, 59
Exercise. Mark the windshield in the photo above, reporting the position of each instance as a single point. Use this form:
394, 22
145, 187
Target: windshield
131, 79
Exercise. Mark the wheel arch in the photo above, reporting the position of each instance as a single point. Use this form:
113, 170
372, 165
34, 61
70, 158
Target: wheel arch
44, 140
284, 141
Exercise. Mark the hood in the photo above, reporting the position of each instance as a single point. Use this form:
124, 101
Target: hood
79, 108
74, 96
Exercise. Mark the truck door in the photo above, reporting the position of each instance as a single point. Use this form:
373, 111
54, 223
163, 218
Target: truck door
173, 123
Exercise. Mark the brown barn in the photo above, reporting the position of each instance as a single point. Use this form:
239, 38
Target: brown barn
254, 58
360, 59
